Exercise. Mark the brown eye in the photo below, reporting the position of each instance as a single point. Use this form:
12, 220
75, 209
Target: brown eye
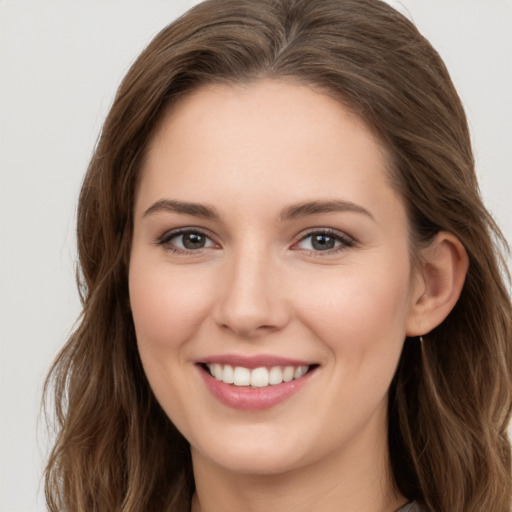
324, 241
193, 240
186, 240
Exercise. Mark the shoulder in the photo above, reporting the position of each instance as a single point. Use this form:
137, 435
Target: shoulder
411, 507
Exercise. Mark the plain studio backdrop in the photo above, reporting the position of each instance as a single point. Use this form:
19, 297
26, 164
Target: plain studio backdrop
60, 64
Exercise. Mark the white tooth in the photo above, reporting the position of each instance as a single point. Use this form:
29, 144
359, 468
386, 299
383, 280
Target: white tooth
288, 373
217, 371
227, 376
259, 377
241, 376
210, 369
275, 375
300, 371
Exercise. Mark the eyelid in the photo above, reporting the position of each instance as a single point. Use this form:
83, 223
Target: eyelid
164, 239
346, 240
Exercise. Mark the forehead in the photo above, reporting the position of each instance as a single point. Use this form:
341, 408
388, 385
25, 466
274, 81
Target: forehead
263, 137
289, 101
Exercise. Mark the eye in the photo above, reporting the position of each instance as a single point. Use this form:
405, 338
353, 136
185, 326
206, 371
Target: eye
186, 240
323, 241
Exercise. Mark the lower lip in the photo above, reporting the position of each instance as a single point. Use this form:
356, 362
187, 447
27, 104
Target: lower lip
254, 399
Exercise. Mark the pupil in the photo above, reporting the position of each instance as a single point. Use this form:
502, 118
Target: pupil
323, 242
193, 241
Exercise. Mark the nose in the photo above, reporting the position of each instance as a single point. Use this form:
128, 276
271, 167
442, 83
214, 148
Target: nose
252, 296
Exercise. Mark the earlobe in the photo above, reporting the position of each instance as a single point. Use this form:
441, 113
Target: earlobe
443, 269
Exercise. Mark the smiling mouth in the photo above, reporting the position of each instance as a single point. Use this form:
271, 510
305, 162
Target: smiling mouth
261, 377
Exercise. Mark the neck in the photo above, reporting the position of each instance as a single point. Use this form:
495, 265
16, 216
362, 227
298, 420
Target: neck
354, 479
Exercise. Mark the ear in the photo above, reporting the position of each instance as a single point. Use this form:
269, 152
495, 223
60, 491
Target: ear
438, 283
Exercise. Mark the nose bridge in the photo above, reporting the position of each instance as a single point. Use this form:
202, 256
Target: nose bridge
251, 301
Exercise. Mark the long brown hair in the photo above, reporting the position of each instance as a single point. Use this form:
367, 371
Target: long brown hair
450, 400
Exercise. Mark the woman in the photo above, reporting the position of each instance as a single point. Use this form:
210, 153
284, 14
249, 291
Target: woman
292, 291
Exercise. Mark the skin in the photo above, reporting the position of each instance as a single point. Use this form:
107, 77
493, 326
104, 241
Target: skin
258, 286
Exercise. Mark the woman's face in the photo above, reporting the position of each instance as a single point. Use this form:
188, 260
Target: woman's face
270, 250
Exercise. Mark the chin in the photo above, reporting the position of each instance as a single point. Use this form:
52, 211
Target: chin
252, 455
252, 463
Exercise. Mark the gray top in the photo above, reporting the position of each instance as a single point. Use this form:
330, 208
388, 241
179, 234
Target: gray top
410, 507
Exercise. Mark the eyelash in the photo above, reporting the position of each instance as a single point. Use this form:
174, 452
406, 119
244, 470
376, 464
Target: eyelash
165, 240
343, 241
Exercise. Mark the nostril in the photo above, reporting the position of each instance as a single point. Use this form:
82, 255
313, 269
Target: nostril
247, 328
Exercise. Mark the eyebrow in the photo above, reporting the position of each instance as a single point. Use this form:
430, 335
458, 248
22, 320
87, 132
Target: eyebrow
289, 213
185, 208
318, 207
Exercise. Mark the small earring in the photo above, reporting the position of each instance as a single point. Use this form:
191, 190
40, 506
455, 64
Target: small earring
421, 340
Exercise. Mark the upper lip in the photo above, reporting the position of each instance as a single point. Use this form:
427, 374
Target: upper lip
254, 361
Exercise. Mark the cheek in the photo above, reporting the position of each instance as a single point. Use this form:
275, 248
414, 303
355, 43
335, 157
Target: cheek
167, 306
359, 311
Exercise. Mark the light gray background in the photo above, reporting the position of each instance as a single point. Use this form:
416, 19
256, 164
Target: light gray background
60, 63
